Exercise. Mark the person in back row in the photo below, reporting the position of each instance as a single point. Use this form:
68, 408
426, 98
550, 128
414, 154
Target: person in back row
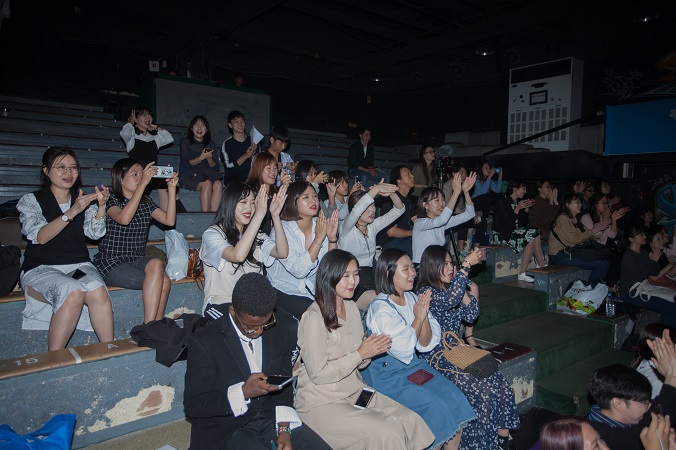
400, 234
227, 398
143, 140
360, 159
199, 166
237, 151
622, 397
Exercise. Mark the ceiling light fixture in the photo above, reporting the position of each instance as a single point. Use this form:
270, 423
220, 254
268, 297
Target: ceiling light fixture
484, 50
647, 16
376, 77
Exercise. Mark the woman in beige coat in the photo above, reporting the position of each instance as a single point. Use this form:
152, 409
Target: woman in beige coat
333, 348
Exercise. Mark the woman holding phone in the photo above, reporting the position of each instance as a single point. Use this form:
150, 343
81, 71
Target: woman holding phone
143, 140
400, 374
121, 258
199, 168
63, 288
332, 397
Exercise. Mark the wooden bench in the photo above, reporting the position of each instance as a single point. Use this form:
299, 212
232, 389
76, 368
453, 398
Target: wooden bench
24, 365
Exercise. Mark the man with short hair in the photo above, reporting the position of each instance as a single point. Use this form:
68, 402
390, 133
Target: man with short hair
622, 397
279, 139
360, 159
237, 150
400, 233
227, 398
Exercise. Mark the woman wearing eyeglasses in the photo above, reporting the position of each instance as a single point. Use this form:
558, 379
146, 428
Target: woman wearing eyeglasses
63, 288
143, 140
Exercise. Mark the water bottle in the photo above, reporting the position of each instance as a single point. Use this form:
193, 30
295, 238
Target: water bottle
4, 112
610, 305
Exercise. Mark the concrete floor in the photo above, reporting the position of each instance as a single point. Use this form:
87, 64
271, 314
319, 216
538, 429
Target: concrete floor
175, 434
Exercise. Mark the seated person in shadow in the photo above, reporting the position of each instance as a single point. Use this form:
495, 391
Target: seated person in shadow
227, 398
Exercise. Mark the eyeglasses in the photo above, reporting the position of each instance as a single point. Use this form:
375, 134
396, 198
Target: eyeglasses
61, 168
645, 403
256, 329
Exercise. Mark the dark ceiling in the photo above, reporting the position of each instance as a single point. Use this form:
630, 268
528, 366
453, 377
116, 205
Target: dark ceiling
412, 46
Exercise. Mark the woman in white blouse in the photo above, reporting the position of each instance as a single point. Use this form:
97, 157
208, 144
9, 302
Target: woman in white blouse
358, 234
309, 236
143, 140
63, 288
435, 216
400, 374
231, 246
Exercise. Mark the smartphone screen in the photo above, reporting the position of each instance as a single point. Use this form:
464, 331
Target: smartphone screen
78, 274
356, 179
364, 398
278, 380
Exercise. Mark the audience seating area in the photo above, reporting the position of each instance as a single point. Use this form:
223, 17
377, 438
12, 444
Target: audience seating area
117, 387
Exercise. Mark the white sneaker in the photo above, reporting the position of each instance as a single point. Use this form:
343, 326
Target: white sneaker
526, 278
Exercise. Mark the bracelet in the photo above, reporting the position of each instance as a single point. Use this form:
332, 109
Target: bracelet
283, 429
100, 218
318, 245
333, 242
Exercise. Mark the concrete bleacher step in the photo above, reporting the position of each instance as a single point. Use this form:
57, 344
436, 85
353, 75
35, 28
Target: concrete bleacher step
502, 262
185, 296
560, 340
49, 106
113, 388
501, 304
566, 391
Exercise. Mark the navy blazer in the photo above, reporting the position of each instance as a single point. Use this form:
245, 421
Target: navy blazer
216, 361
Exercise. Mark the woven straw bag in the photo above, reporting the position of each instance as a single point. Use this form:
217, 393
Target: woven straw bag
467, 359
195, 268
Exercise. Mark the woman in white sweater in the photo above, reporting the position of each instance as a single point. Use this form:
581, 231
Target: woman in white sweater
435, 216
358, 234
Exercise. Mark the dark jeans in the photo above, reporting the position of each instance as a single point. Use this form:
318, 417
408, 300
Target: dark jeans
599, 268
666, 308
405, 244
257, 435
293, 304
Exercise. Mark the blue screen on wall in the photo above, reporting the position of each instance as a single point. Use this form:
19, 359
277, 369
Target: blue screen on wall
648, 127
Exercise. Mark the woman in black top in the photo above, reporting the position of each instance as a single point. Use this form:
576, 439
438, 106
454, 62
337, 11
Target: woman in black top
510, 227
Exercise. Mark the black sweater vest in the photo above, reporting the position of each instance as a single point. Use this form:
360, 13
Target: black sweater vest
67, 247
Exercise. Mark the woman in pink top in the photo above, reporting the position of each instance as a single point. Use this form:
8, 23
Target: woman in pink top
599, 210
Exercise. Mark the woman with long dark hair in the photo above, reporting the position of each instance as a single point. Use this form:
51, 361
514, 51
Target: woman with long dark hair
643, 363
199, 169
143, 140
599, 210
264, 169
568, 232
425, 171
406, 318
310, 236
333, 349
231, 246
510, 227
63, 288
121, 258
491, 398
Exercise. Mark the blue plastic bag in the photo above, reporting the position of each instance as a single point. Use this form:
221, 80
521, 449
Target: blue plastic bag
57, 434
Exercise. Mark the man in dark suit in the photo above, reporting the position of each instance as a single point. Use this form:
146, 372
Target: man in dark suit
227, 398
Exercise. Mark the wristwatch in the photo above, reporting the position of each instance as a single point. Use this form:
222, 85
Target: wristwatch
65, 218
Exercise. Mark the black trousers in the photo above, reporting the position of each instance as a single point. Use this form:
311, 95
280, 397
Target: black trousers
260, 432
